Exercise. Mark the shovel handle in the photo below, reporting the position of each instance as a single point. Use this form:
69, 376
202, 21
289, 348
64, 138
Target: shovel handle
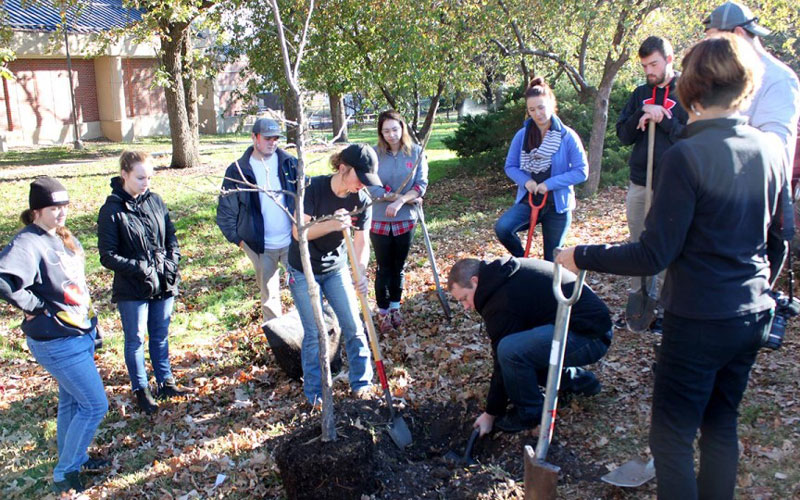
532, 222
373, 336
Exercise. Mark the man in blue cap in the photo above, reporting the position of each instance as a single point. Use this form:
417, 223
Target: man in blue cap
257, 221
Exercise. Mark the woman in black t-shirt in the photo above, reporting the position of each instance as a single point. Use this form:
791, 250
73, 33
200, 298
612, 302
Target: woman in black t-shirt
338, 195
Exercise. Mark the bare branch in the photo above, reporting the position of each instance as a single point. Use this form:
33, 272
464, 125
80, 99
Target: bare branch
303, 40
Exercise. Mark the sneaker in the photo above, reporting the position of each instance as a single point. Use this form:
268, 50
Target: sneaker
145, 401
620, 322
655, 326
168, 389
584, 384
363, 393
72, 481
513, 422
94, 465
396, 317
384, 322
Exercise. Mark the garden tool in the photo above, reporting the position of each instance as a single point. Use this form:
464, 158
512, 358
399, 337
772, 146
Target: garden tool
432, 259
631, 474
534, 217
642, 304
541, 477
465, 459
398, 429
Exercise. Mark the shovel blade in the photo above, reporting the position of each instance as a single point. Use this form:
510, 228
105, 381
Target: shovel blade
399, 432
631, 474
541, 478
641, 309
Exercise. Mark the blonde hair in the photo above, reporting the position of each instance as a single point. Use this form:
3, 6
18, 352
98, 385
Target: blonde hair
130, 158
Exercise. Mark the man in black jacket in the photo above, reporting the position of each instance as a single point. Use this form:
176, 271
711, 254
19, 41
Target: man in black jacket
656, 101
515, 299
258, 222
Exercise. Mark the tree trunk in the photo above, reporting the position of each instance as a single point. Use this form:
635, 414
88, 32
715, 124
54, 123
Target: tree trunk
427, 127
290, 110
415, 114
600, 121
338, 116
190, 90
184, 150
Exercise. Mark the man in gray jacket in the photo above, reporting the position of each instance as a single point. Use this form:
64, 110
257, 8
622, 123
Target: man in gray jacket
258, 222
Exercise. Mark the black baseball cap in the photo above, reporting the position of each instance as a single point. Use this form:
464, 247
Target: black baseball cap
364, 161
47, 192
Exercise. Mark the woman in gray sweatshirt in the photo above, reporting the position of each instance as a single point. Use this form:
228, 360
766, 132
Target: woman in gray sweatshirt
404, 173
42, 274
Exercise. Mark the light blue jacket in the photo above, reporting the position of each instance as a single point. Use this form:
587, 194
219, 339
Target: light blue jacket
568, 166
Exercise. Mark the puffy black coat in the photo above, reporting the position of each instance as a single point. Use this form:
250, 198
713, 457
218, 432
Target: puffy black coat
136, 240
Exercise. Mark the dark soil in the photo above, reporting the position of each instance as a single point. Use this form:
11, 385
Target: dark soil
420, 471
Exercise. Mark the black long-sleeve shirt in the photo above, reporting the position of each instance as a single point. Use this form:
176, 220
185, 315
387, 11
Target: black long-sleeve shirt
713, 224
668, 130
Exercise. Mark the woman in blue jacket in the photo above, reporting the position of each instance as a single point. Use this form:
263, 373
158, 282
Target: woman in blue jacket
545, 157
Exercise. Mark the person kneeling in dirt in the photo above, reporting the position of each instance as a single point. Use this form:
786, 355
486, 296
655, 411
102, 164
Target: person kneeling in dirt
514, 296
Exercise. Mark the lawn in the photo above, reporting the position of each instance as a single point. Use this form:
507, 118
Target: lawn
242, 405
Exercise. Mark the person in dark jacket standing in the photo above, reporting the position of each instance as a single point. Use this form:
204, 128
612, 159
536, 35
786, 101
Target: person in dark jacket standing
515, 298
136, 240
258, 222
42, 273
714, 225
656, 101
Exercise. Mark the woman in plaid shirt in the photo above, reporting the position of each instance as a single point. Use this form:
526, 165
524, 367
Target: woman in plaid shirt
404, 173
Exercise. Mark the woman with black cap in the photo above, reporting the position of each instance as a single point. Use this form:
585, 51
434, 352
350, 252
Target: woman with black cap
336, 195
42, 273
136, 240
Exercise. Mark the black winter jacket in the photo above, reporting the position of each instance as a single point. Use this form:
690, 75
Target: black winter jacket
514, 295
239, 215
136, 240
668, 131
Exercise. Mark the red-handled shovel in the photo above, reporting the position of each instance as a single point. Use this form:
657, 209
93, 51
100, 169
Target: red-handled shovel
534, 217
398, 430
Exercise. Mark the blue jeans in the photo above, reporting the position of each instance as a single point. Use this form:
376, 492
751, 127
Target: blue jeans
525, 356
337, 288
518, 218
700, 378
154, 315
82, 402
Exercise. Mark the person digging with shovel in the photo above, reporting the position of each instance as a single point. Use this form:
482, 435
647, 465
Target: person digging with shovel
515, 298
715, 227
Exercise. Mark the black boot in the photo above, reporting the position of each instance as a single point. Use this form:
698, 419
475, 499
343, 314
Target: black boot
95, 465
72, 481
168, 389
145, 400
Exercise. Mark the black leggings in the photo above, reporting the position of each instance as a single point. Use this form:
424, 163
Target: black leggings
390, 255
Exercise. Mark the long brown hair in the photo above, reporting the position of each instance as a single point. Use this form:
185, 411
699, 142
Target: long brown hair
405, 140
28, 216
537, 88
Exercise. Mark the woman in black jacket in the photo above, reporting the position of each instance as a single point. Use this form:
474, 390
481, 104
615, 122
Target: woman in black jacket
136, 240
714, 225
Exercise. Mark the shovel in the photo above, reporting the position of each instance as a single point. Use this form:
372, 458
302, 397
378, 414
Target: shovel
641, 308
466, 459
541, 477
398, 430
534, 217
631, 474
432, 259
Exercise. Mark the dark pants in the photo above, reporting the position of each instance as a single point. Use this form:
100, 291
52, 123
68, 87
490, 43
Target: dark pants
390, 256
701, 375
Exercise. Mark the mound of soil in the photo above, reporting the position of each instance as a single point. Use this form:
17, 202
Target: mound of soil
420, 471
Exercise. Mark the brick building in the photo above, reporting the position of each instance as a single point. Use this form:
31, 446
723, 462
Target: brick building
114, 93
